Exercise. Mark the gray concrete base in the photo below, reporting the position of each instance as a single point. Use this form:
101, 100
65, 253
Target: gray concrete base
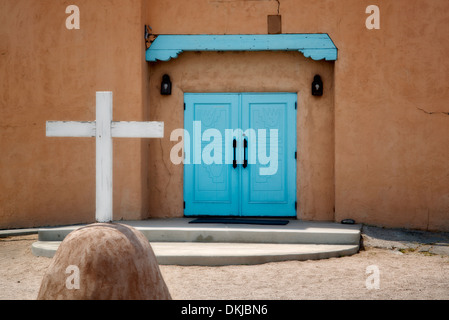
180, 230
218, 253
175, 241
17, 232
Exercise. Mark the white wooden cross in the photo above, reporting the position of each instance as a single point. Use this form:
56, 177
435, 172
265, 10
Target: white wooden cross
104, 129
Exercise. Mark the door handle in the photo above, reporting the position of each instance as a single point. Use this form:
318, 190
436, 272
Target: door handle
234, 161
245, 146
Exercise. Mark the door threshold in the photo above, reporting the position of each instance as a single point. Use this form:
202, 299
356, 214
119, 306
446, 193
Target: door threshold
241, 221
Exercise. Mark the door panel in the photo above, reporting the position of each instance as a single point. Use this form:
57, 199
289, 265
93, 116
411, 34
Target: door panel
210, 185
269, 184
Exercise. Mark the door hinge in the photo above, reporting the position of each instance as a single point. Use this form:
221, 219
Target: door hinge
296, 155
296, 205
296, 105
184, 106
184, 204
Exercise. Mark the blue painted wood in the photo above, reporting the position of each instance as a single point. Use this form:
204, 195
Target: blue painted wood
210, 189
269, 188
221, 190
315, 46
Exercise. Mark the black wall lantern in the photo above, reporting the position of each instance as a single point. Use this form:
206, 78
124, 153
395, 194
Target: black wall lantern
166, 85
317, 86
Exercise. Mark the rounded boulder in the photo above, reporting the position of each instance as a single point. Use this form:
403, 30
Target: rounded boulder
104, 261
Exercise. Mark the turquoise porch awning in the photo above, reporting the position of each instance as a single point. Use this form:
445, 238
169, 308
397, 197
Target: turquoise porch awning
316, 46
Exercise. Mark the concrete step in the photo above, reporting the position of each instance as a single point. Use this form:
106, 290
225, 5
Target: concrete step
218, 254
178, 242
180, 230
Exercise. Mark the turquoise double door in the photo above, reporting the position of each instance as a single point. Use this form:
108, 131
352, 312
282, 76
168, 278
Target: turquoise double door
240, 154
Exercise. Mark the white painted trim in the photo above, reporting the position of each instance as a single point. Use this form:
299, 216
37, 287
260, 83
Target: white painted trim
103, 157
134, 129
70, 129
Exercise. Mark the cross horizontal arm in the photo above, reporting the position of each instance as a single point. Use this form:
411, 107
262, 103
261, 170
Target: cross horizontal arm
70, 129
134, 129
120, 129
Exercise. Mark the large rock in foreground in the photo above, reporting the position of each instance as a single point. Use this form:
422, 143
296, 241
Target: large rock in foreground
104, 261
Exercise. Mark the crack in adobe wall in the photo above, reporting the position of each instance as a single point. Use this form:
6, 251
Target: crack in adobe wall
433, 112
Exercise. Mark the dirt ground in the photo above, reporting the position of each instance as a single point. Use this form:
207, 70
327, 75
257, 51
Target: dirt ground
404, 273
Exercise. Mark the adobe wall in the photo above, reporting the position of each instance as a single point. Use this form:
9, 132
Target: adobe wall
51, 73
391, 111
389, 88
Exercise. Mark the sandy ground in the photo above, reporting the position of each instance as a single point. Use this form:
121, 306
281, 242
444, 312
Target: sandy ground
408, 273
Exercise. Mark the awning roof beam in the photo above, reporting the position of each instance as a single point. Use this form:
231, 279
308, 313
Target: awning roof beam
316, 46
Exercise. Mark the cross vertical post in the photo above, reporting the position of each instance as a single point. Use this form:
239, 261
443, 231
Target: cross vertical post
103, 157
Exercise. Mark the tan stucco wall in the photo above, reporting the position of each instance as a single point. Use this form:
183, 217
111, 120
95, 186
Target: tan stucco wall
51, 73
390, 156
247, 72
390, 110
